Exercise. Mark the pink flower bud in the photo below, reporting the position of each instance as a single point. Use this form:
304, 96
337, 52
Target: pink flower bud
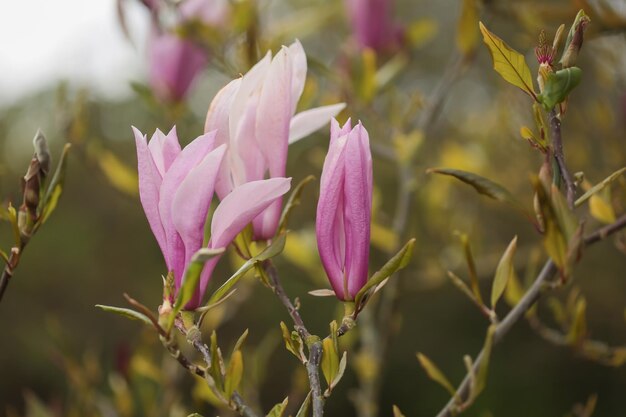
344, 209
372, 24
174, 65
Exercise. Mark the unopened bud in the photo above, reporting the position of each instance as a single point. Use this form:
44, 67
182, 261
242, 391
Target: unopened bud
42, 152
575, 40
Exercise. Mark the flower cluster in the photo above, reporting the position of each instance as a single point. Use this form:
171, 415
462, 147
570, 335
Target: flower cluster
242, 158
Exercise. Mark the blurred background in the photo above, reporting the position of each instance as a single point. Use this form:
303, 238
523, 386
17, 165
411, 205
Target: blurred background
84, 72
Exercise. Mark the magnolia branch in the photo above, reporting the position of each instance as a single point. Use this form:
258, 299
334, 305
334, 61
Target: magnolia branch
313, 343
194, 337
570, 186
527, 301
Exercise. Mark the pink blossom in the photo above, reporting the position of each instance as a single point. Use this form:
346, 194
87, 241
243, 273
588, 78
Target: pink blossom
174, 64
255, 116
176, 188
372, 23
344, 209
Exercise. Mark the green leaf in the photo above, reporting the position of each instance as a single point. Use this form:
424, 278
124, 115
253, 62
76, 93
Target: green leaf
340, 371
600, 186
55, 188
483, 186
504, 272
330, 361
578, 328
12, 215
272, 250
240, 341
558, 85
233, 373
509, 63
278, 409
305, 407
191, 279
471, 266
399, 261
483, 369
466, 33
216, 369
292, 343
4, 256
126, 312
293, 202
435, 374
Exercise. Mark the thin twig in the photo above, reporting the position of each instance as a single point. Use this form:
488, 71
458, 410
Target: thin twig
314, 344
7, 272
570, 186
527, 301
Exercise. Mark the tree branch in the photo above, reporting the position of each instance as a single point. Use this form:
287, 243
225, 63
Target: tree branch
194, 337
527, 301
570, 186
313, 343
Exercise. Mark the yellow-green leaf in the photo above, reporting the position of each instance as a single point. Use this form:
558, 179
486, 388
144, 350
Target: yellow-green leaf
304, 408
293, 202
278, 409
504, 271
399, 261
434, 373
483, 369
598, 187
578, 329
509, 63
330, 361
467, 33
601, 209
234, 373
131, 314
397, 412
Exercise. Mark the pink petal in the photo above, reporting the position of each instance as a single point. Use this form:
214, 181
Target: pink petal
357, 210
149, 184
329, 227
250, 85
274, 114
174, 64
218, 119
185, 162
192, 200
242, 205
297, 57
308, 121
164, 149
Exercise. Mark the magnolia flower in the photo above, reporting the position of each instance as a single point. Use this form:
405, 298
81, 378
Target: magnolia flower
344, 209
255, 116
176, 188
174, 63
372, 24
